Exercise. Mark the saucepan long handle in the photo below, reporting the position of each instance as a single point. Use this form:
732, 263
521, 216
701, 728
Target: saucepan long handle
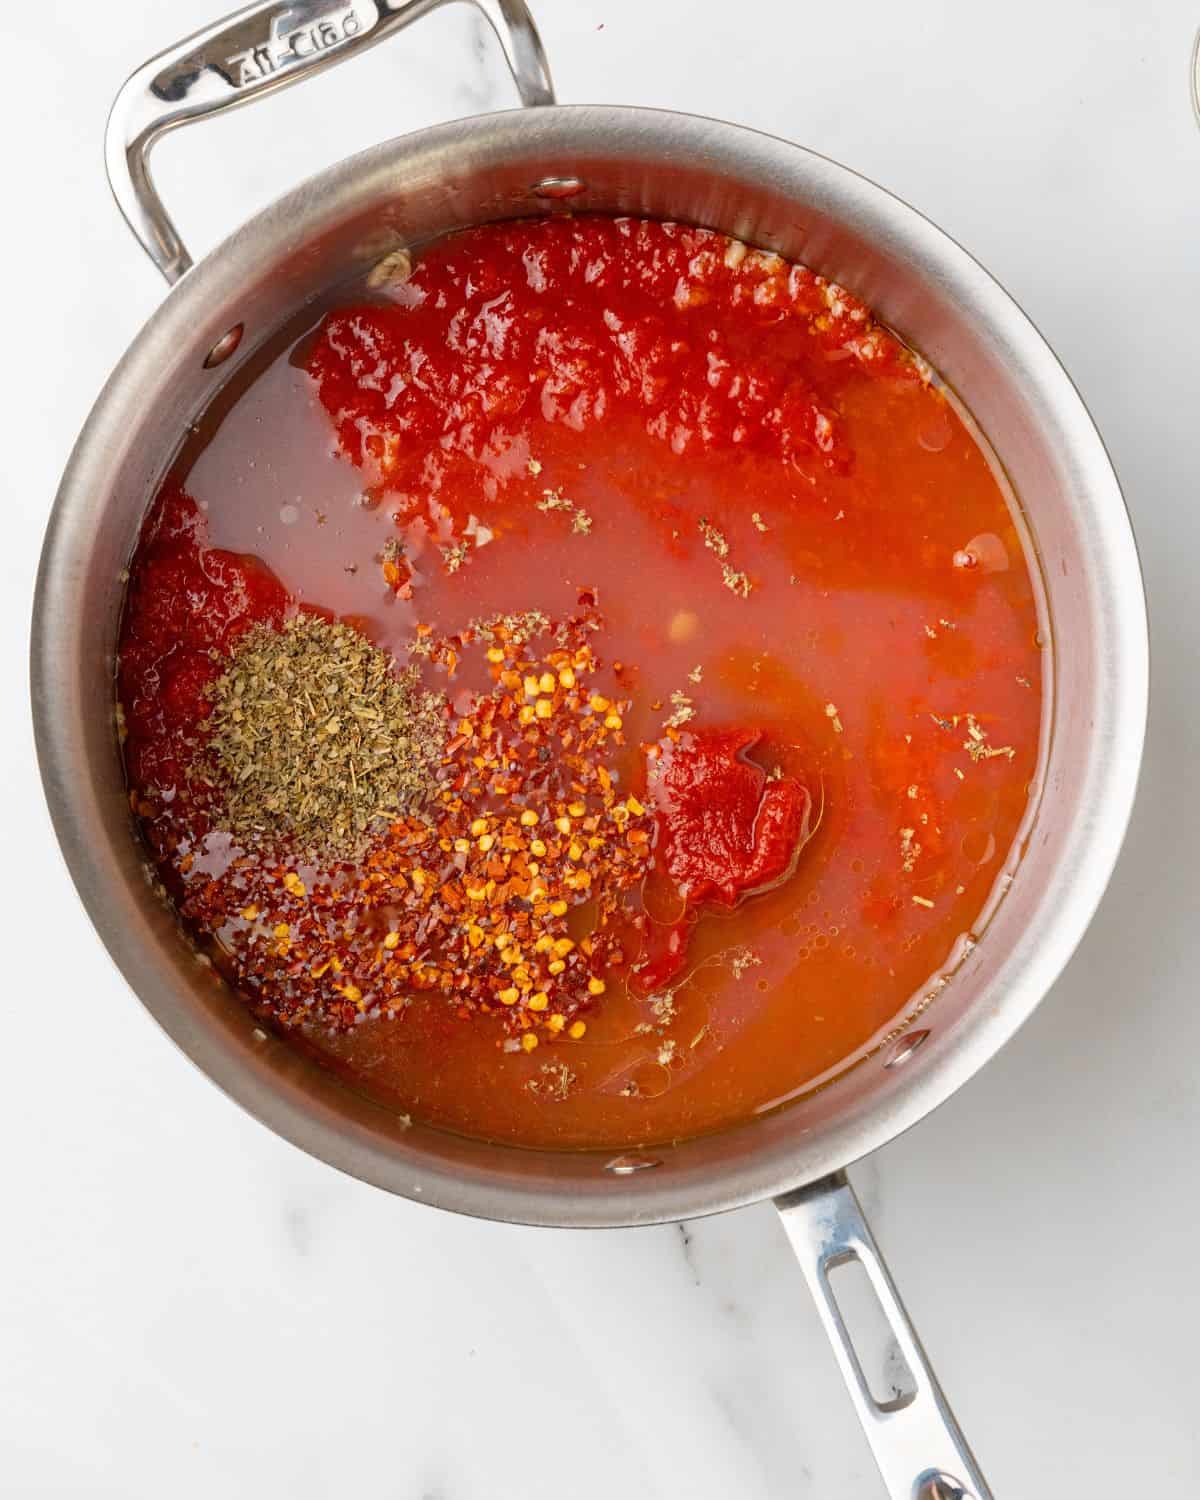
917, 1444
256, 51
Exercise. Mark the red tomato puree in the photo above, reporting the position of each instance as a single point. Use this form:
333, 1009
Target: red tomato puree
739, 642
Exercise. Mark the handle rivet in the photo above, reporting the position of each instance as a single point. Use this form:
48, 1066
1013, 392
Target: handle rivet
224, 347
558, 187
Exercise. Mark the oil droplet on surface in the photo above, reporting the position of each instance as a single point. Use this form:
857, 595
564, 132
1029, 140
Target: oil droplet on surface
987, 551
979, 846
683, 626
664, 905
935, 434
646, 1080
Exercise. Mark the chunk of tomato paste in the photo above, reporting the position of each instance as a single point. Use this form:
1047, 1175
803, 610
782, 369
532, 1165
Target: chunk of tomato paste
725, 830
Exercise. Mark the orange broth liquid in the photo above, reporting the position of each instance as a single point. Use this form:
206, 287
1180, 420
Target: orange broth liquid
876, 650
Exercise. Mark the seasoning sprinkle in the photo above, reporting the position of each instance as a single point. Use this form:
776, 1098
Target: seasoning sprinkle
976, 744
741, 959
315, 736
520, 837
455, 556
714, 540
518, 629
683, 709
581, 521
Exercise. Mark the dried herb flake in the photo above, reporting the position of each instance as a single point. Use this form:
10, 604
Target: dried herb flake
315, 736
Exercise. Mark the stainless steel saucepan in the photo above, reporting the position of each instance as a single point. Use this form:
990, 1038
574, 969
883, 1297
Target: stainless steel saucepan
616, 160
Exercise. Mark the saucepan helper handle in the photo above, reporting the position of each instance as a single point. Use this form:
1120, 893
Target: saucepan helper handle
256, 51
917, 1444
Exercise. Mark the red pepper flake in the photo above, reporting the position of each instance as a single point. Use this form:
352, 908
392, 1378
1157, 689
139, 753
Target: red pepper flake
483, 884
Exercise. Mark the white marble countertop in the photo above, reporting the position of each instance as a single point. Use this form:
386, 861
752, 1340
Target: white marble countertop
189, 1307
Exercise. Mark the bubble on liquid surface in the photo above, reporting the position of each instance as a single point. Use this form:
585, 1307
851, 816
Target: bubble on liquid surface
985, 552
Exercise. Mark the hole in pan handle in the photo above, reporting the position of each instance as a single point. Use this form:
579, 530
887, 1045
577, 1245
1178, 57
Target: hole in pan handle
917, 1444
259, 50
1195, 77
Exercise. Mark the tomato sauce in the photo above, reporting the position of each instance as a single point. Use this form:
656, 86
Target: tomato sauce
801, 580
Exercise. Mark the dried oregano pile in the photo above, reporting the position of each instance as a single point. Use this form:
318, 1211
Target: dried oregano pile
315, 736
